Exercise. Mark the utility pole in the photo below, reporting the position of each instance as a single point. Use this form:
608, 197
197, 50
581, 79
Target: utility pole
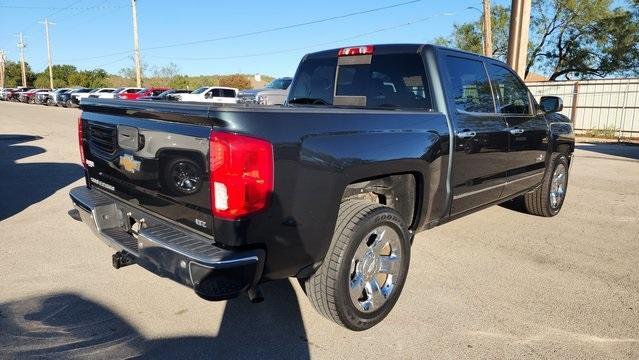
21, 46
136, 45
46, 28
2, 69
488, 33
518, 37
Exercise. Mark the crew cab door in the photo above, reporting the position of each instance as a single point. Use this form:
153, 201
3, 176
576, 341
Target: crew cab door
480, 158
527, 130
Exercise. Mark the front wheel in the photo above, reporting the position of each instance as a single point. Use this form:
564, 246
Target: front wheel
549, 197
365, 268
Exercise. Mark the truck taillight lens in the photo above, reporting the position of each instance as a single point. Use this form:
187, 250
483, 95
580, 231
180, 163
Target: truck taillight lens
241, 174
81, 141
356, 50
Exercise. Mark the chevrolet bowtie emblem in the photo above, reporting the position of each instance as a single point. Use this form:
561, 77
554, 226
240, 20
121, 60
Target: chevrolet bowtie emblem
128, 163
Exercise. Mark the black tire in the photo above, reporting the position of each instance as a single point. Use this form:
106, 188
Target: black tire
539, 202
328, 287
69, 103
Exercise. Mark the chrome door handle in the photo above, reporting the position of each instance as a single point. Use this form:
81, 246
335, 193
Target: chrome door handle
516, 131
466, 135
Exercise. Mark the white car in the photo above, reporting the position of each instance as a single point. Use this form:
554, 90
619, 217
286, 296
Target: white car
212, 94
102, 93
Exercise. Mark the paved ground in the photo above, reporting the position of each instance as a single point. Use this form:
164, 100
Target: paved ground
496, 284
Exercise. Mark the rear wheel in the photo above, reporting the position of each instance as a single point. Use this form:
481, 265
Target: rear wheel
365, 268
548, 198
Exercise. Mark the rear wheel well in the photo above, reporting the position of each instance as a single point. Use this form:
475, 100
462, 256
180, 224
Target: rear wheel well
398, 192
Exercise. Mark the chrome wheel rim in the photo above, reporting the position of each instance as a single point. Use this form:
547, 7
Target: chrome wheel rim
558, 186
375, 269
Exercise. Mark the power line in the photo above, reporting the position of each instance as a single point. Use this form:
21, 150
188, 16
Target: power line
56, 11
100, 7
258, 32
275, 52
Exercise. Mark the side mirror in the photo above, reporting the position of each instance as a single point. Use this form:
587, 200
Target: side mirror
551, 104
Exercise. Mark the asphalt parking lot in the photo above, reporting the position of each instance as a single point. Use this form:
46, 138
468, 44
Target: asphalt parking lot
496, 284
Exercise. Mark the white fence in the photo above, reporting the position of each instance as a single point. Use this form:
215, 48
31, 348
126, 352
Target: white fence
607, 107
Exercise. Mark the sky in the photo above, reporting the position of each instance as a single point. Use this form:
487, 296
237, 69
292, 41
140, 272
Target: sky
222, 37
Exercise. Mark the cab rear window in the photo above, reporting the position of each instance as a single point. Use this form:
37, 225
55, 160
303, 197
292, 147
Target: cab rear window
395, 81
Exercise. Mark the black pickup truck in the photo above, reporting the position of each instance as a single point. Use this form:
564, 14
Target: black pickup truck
375, 144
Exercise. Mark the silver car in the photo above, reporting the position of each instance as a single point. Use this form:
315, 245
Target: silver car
274, 93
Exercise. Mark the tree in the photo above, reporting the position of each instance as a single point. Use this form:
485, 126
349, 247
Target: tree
61, 74
469, 36
89, 78
568, 38
236, 81
129, 72
13, 74
179, 82
163, 75
584, 38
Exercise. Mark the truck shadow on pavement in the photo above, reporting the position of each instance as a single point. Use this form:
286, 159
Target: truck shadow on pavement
630, 151
25, 184
67, 325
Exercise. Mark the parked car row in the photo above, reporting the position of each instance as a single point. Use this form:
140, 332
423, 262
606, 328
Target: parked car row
275, 93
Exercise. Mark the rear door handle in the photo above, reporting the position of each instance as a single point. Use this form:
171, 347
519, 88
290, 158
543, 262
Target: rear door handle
466, 135
516, 131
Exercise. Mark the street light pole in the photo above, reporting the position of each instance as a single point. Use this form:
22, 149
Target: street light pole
1, 69
488, 36
136, 45
518, 36
21, 46
486, 39
46, 28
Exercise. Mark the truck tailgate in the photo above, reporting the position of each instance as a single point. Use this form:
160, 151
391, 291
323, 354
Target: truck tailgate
151, 157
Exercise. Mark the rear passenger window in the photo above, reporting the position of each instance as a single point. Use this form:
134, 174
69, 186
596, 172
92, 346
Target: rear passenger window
228, 93
470, 88
512, 95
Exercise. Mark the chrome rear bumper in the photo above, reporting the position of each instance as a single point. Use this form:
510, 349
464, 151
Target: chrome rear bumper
167, 249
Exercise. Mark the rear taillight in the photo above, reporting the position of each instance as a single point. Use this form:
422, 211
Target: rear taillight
81, 141
356, 50
241, 174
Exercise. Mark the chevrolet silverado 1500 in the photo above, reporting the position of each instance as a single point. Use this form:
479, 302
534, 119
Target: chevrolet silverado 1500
375, 144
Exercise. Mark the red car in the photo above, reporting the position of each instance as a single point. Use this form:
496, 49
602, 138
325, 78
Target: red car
152, 91
29, 96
